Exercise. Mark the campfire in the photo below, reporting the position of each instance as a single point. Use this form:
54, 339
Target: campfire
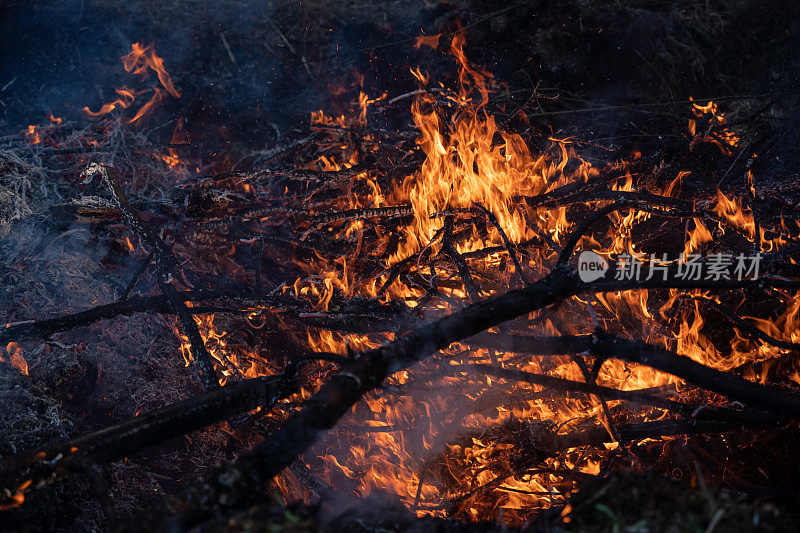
414, 302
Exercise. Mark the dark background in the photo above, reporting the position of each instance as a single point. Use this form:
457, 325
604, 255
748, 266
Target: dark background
61, 56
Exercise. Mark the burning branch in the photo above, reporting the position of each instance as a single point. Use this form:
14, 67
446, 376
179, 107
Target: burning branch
235, 301
608, 346
165, 264
236, 485
386, 239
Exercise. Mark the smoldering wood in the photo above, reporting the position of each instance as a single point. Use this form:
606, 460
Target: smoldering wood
166, 264
560, 284
607, 346
46, 465
510, 248
539, 441
464, 273
367, 371
748, 328
698, 412
357, 378
217, 494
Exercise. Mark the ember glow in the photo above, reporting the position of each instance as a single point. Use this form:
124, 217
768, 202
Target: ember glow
33, 135
14, 357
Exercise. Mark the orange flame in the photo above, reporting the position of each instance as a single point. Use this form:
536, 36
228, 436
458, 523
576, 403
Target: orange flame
127, 97
15, 358
427, 40
469, 159
33, 135
723, 137
152, 103
137, 62
141, 58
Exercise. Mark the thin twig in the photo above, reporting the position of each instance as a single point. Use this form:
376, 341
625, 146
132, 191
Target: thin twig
512, 251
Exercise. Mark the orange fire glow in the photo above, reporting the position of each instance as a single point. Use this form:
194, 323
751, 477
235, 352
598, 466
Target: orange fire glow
723, 137
427, 40
137, 62
469, 160
33, 135
14, 354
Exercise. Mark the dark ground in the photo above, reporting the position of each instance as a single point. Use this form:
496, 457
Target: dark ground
285, 56
637, 60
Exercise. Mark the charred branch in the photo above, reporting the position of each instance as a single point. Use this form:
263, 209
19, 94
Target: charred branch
463, 269
235, 485
43, 466
165, 264
748, 328
778, 401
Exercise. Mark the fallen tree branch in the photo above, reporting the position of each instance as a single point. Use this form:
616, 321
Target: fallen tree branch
239, 483
165, 264
449, 250
243, 300
766, 397
748, 327
422, 255
363, 213
566, 385
137, 275
32, 329
512, 251
41, 467
586, 225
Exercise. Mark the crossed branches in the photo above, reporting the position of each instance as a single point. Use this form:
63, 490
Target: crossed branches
240, 483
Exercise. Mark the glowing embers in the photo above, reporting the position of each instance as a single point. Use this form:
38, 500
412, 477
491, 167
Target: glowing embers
139, 62
454, 445
172, 158
13, 356
18, 498
409, 445
37, 134
411, 438
33, 135
234, 361
713, 128
338, 149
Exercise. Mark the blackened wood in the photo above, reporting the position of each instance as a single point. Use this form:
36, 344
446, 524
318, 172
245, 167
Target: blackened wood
512, 251
773, 399
238, 484
165, 265
48, 464
749, 329
449, 250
